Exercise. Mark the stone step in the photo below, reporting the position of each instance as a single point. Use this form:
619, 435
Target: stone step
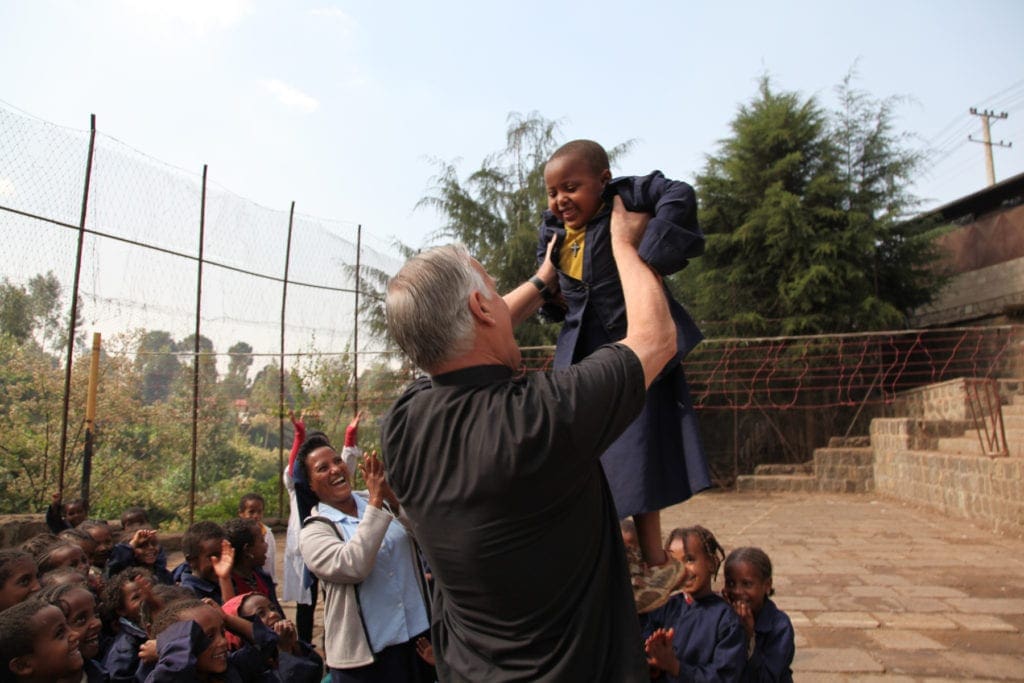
1011, 421
968, 444
1013, 410
824, 457
849, 442
779, 483
785, 468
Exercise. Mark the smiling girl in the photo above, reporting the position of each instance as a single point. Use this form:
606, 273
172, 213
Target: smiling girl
79, 607
748, 588
696, 635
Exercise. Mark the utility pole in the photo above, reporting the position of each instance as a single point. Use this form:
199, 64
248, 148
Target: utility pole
986, 139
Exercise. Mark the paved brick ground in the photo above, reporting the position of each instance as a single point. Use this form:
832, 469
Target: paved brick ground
877, 590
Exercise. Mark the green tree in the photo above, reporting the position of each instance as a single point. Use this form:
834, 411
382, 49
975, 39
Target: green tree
157, 363
236, 381
34, 308
797, 220
878, 164
15, 311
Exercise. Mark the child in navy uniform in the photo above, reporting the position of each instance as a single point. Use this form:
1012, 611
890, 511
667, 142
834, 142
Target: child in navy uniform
659, 460
192, 645
37, 645
143, 550
748, 587
204, 545
121, 606
79, 607
696, 635
292, 660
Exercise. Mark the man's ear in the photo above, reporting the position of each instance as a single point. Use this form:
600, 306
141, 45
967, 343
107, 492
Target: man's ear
606, 175
480, 307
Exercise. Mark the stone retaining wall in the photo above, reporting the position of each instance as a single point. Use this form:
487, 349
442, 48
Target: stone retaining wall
987, 490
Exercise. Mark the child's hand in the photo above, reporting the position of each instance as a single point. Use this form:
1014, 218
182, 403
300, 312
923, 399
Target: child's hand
746, 616
660, 652
142, 537
287, 637
222, 565
547, 272
147, 651
425, 650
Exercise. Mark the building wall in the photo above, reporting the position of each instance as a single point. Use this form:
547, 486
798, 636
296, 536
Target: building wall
984, 293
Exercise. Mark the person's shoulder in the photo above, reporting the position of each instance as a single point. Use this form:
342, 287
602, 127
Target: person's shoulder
772, 618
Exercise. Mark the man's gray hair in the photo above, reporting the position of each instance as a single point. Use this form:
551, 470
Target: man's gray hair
427, 305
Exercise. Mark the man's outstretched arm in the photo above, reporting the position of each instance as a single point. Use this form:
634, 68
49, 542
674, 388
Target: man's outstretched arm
650, 332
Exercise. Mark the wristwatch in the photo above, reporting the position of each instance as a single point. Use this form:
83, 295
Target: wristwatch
545, 293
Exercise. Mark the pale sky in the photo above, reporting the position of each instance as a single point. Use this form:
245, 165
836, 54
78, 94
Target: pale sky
339, 105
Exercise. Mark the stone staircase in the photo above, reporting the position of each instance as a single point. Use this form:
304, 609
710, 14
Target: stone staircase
846, 465
970, 443
934, 420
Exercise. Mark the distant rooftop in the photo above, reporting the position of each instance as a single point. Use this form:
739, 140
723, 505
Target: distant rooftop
1004, 194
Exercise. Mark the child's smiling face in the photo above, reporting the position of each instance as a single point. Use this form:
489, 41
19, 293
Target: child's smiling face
257, 605
699, 568
21, 582
83, 622
744, 583
55, 652
214, 658
75, 513
133, 594
147, 549
574, 189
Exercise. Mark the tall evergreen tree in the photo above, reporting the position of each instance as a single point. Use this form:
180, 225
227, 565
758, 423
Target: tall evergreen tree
877, 166
799, 211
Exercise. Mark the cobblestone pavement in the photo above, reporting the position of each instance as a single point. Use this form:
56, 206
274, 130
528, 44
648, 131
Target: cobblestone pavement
877, 590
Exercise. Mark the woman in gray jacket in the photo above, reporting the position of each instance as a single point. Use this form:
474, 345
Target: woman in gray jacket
375, 603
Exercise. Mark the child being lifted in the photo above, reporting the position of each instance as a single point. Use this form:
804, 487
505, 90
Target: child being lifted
659, 460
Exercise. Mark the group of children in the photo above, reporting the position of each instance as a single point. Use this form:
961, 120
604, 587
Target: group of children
76, 606
735, 635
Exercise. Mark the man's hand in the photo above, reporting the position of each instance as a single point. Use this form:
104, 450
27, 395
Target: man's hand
628, 226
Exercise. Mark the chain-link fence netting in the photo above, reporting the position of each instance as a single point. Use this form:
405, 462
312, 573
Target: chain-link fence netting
166, 254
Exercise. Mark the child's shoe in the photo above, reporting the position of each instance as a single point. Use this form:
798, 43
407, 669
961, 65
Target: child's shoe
652, 586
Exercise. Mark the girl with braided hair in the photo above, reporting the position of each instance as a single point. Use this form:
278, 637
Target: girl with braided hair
696, 635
